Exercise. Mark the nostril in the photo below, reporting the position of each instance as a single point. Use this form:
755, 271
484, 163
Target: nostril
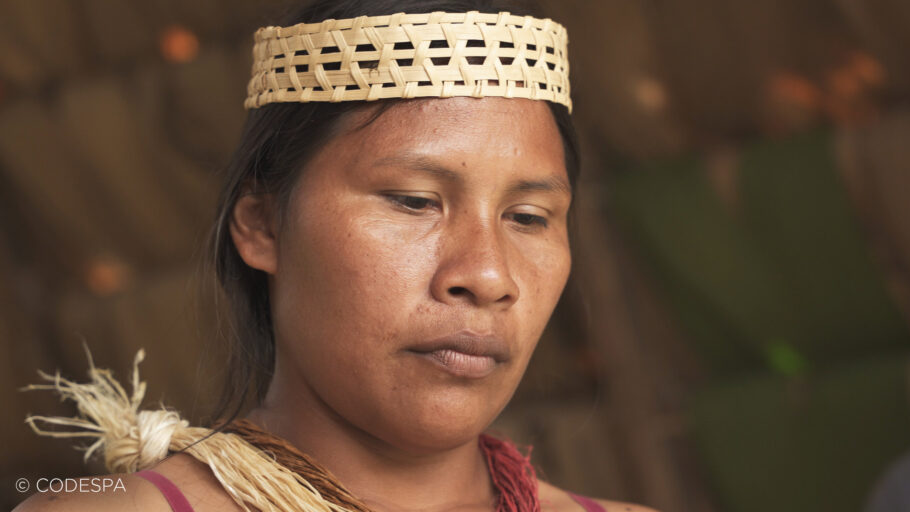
458, 290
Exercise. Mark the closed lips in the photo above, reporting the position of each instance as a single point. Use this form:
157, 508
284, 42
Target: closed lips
465, 354
467, 343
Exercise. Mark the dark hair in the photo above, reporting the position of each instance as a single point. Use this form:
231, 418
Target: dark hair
276, 142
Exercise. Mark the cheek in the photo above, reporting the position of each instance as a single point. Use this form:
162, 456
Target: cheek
353, 277
546, 272
543, 279
379, 266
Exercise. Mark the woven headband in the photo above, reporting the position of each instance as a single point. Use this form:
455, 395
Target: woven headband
438, 54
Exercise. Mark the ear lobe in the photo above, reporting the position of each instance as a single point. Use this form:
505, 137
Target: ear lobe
253, 231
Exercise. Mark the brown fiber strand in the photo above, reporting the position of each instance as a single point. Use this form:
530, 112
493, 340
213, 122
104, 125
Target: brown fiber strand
292, 458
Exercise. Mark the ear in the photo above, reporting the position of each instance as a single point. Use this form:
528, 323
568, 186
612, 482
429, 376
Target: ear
253, 230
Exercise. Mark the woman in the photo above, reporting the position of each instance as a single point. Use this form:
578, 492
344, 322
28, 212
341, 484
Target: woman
391, 266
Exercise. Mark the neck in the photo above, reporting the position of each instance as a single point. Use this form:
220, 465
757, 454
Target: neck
385, 477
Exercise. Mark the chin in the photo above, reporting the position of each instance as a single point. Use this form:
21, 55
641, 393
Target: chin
427, 439
437, 427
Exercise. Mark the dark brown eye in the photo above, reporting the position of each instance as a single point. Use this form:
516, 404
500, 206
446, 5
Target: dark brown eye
411, 202
527, 219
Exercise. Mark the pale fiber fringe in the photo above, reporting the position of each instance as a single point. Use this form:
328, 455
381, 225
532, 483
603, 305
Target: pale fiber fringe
510, 56
132, 440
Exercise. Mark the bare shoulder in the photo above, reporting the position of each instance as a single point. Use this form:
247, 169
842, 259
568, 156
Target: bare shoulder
133, 493
554, 499
105, 493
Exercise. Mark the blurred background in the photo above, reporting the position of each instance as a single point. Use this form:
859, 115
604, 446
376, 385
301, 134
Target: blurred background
736, 334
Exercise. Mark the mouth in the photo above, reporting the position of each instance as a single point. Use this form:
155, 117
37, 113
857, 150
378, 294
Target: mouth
464, 354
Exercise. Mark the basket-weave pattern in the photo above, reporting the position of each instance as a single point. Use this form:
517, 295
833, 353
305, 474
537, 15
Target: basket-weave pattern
438, 54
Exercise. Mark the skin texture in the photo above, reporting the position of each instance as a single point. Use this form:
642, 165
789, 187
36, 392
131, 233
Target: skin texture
440, 216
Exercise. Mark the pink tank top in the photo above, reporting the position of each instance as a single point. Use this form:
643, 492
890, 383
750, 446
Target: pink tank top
172, 494
179, 503
589, 504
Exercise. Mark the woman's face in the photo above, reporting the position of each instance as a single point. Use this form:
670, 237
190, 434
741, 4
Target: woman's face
419, 261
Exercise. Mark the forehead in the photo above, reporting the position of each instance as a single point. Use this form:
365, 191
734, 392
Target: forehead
490, 128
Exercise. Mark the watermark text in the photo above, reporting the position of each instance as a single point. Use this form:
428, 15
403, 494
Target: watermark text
94, 484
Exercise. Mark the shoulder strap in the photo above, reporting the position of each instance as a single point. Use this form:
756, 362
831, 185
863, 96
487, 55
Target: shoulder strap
172, 494
589, 504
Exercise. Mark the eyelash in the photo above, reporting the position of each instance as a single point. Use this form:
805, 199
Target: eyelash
528, 220
535, 220
402, 200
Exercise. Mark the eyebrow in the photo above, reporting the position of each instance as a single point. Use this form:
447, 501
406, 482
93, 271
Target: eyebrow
428, 166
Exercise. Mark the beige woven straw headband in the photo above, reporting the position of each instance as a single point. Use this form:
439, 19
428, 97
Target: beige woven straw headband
439, 54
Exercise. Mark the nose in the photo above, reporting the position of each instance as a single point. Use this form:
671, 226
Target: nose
473, 268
